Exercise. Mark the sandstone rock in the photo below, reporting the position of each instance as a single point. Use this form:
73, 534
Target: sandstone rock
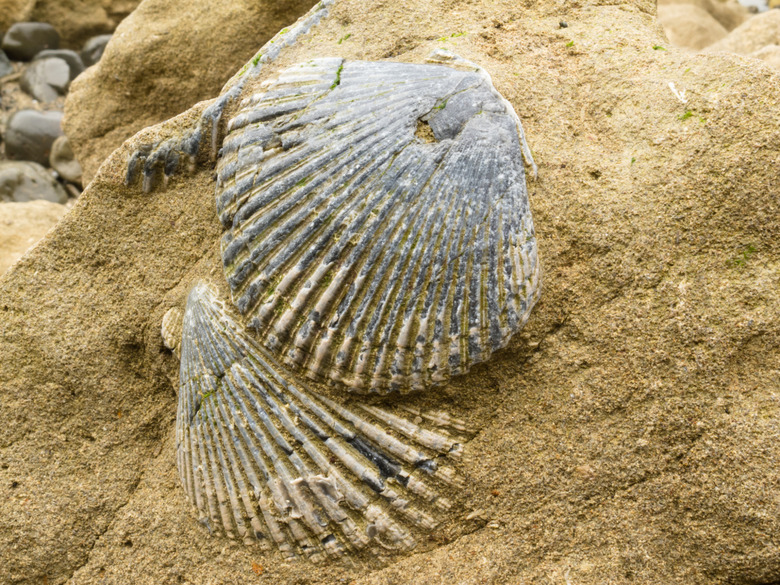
46, 79
63, 161
22, 225
758, 32
24, 40
30, 134
770, 54
93, 49
78, 20
629, 436
690, 26
72, 58
138, 81
28, 181
729, 13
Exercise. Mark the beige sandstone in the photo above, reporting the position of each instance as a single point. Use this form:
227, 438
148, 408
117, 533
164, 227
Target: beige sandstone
22, 225
629, 435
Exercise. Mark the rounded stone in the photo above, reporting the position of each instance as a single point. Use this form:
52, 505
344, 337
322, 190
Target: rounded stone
46, 79
6, 68
24, 40
72, 58
63, 161
28, 181
93, 49
30, 135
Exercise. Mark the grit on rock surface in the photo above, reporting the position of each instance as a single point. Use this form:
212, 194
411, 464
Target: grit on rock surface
629, 435
23, 224
161, 60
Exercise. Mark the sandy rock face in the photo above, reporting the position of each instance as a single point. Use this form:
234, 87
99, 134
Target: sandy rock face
729, 13
756, 33
155, 67
628, 435
690, 26
23, 224
695, 24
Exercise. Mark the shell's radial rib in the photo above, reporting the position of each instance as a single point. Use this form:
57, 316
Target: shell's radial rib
377, 227
262, 457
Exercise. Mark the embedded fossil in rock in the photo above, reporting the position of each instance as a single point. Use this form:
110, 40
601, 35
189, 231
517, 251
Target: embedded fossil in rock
377, 236
264, 458
362, 253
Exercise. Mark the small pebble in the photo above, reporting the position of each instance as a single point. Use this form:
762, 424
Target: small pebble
46, 79
24, 40
72, 58
93, 49
6, 68
28, 181
63, 160
30, 135
563, 24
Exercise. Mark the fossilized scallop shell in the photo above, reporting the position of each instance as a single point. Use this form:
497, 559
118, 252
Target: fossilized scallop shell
263, 457
377, 227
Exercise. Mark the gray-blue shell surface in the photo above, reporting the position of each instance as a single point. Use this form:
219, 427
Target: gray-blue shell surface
265, 459
377, 231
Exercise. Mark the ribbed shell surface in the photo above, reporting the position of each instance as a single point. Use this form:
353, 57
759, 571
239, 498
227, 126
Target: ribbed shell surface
377, 226
263, 458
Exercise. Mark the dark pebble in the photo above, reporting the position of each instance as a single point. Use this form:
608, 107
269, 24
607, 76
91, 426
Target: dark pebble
30, 134
93, 49
28, 181
72, 58
46, 79
24, 40
563, 24
5, 65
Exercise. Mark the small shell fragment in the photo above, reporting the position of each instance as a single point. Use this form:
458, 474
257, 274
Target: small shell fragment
377, 226
263, 458
171, 330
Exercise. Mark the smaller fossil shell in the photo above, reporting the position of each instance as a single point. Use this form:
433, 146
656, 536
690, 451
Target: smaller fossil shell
263, 457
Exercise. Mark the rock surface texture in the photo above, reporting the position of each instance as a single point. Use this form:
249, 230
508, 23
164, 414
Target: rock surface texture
690, 26
758, 32
139, 80
695, 24
23, 224
629, 435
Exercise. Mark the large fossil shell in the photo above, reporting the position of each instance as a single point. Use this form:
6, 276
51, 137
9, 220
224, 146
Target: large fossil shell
263, 457
377, 228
